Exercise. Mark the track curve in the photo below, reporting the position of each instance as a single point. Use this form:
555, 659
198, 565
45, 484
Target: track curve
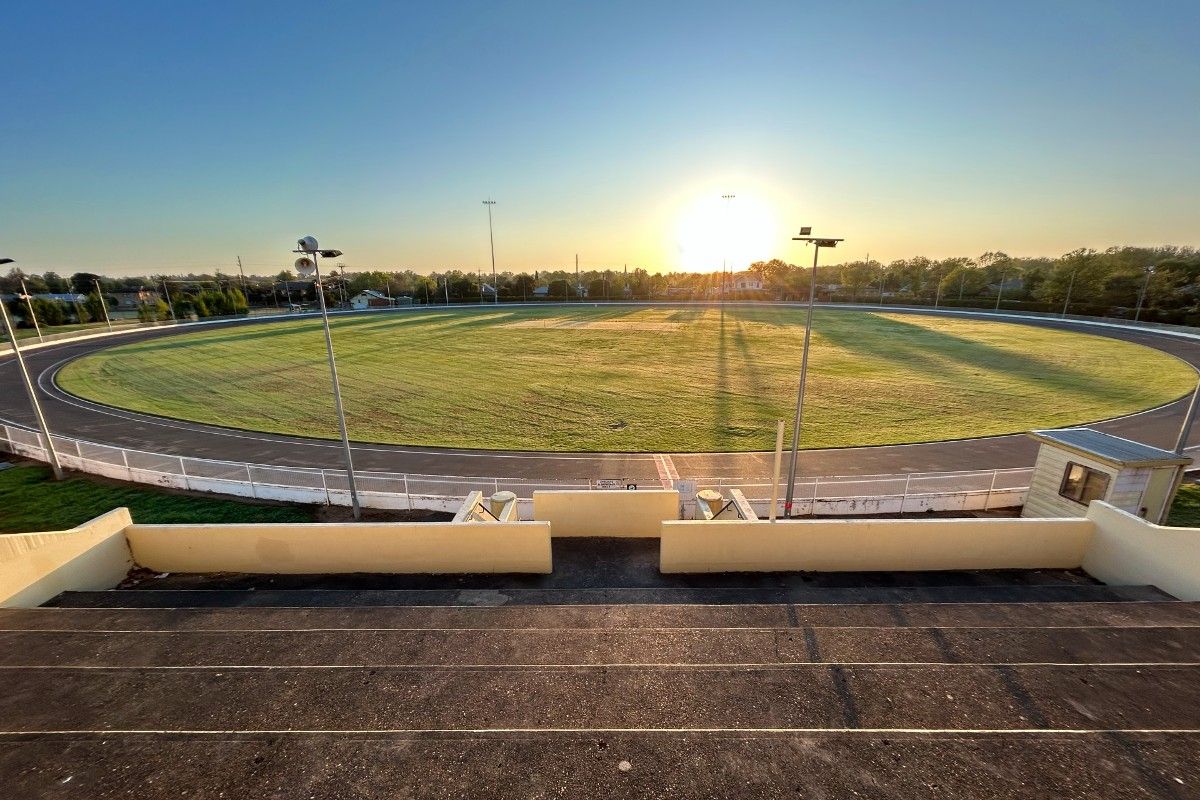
72, 416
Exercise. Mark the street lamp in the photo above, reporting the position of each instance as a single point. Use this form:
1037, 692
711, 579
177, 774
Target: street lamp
1142, 295
32, 314
492, 241
1067, 301
306, 265
103, 304
33, 400
725, 256
818, 242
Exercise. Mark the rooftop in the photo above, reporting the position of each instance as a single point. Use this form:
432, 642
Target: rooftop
1112, 449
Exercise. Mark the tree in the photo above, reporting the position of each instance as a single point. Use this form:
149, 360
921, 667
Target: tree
858, 275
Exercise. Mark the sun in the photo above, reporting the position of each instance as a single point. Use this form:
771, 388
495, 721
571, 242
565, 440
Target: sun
736, 231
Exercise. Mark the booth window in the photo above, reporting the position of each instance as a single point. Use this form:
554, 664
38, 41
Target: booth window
1083, 484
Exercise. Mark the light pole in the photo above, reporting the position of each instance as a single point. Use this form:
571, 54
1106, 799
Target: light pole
308, 264
725, 255
103, 304
32, 314
818, 242
170, 305
1142, 295
1067, 302
492, 241
33, 401
1000, 289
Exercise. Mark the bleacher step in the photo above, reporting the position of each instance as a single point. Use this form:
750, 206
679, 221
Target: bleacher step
182, 598
932, 697
692, 765
677, 615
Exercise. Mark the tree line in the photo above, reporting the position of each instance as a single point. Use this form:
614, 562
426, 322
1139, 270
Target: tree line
1157, 283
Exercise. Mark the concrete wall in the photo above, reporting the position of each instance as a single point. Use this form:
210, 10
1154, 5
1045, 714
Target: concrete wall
873, 545
391, 547
35, 567
615, 513
1126, 549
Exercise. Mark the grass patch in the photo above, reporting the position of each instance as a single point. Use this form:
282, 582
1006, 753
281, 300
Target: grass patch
31, 500
616, 378
1185, 511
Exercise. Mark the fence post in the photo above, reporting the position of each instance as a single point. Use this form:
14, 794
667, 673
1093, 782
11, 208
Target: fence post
407, 495
987, 504
812, 509
186, 483
904, 500
125, 461
250, 480
496, 483
325, 486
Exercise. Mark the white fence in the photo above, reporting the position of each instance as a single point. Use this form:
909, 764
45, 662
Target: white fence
857, 495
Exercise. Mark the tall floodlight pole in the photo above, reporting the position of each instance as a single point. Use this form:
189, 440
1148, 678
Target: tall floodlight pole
103, 304
1067, 302
32, 313
167, 294
492, 241
33, 400
725, 255
308, 264
1142, 295
818, 242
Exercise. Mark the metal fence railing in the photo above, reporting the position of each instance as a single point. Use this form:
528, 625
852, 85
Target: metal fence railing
838, 495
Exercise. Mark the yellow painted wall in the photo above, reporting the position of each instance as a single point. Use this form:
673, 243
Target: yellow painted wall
615, 513
395, 547
873, 545
35, 567
1128, 550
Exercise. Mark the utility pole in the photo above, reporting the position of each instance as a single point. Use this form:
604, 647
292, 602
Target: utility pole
170, 305
578, 287
32, 314
818, 243
1067, 302
243, 274
492, 241
725, 255
103, 304
1142, 296
33, 401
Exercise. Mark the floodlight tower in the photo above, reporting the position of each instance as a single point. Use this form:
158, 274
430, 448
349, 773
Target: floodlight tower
725, 256
32, 314
306, 265
818, 242
1142, 295
51, 453
492, 241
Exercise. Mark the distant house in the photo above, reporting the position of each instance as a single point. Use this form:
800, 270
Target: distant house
541, 291
369, 298
1010, 285
130, 299
62, 298
747, 282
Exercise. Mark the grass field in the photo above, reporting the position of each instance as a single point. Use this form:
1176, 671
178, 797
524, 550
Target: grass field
635, 379
31, 500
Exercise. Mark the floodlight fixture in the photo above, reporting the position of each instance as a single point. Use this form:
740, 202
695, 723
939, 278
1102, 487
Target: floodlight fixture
7, 261
806, 230
330, 254
307, 244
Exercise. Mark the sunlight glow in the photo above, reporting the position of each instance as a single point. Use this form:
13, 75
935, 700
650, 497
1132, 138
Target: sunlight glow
711, 230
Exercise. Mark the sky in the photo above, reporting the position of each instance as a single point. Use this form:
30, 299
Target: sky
172, 137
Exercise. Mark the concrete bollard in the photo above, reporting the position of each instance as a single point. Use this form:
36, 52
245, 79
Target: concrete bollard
712, 499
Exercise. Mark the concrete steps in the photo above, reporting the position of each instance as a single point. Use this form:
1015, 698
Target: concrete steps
1071, 690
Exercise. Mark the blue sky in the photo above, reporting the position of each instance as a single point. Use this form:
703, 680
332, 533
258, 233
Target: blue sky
170, 136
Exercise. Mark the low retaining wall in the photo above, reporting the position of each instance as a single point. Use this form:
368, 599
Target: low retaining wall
1129, 550
35, 567
873, 545
389, 547
606, 513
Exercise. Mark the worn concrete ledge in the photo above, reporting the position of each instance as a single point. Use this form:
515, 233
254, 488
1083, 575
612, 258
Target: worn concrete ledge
37, 566
1128, 549
873, 545
591, 513
396, 547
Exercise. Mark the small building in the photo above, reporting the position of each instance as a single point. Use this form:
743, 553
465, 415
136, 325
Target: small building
369, 298
747, 282
1078, 465
129, 299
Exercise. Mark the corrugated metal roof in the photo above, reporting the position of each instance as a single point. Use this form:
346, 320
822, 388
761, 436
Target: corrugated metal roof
1113, 449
